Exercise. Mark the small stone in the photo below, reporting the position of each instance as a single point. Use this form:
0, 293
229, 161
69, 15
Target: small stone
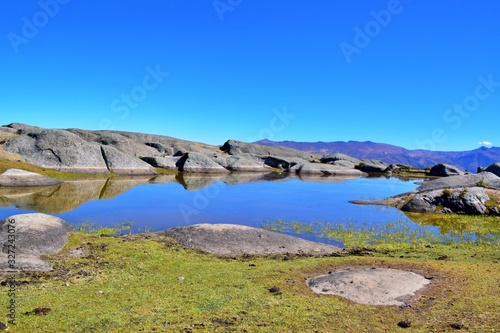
2, 326
274, 290
180, 278
404, 324
457, 326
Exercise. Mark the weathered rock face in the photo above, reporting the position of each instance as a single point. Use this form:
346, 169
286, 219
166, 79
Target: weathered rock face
15, 177
373, 167
464, 194
196, 162
494, 168
243, 164
466, 201
229, 240
35, 235
329, 170
233, 147
445, 170
60, 150
168, 163
341, 158
123, 164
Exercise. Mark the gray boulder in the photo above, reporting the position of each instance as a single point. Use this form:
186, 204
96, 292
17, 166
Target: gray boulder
494, 168
329, 170
373, 168
197, 162
228, 240
168, 163
60, 150
445, 170
16, 177
466, 201
233, 147
35, 235
123, 164
341, 159
242, 164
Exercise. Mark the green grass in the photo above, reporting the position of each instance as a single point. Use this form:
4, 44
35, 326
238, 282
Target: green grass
130, 284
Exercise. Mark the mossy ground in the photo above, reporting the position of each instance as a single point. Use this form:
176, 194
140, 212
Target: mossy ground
131, 284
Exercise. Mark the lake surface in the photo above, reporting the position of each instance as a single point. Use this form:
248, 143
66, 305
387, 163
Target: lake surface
250, 199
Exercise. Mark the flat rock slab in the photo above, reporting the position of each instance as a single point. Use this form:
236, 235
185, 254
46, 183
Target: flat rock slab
16, 177
229, 240
373, 286
28, 236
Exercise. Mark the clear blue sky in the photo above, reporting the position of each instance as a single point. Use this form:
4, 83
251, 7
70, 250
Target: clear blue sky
384, 71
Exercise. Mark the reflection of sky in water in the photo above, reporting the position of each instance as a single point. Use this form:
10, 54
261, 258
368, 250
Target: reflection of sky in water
160, 206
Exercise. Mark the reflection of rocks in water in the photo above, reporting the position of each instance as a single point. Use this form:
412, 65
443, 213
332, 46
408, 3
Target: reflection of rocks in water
242, 178
67, 196
55, 199
162, 179
119, 185
326, 179
193, 182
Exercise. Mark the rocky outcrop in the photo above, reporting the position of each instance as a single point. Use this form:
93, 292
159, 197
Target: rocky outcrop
167, 163
233, 147
123, 164
445, 170
494, 168
329, 170
15, 177
463, 194
35, 235
243, 164
60, 150
228, 240
373, 167
196, 162
472, 200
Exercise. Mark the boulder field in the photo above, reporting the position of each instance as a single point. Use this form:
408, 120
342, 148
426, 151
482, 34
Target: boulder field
127, 153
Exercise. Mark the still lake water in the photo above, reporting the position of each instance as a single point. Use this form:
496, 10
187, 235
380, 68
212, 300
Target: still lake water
168, 201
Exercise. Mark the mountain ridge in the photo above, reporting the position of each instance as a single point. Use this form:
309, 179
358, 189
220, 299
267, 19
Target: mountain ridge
421, 158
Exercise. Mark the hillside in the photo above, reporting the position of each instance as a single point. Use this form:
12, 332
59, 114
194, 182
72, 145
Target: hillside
466, 160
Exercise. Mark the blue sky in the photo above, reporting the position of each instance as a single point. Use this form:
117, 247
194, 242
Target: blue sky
419, 74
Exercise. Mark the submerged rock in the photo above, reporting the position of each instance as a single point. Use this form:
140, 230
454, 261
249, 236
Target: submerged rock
16, 177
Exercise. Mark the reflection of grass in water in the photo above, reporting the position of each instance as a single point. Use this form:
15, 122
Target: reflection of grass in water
124, 228
453, 230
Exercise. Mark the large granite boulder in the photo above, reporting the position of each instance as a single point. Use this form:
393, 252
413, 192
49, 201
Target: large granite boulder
16, 177
60, 150
328, 170
35, 235
228, 240
243, 164
494, 168
463, 194
168, 163
233, 147
197, 162
445, 170
341, 159
123, 164
470, 200
373, 167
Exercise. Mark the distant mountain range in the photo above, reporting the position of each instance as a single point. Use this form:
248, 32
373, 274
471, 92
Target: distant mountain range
466, 160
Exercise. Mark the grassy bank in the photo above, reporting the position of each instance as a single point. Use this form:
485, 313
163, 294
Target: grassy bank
146, 283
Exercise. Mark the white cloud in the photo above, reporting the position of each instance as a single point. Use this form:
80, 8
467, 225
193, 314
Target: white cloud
485, 143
